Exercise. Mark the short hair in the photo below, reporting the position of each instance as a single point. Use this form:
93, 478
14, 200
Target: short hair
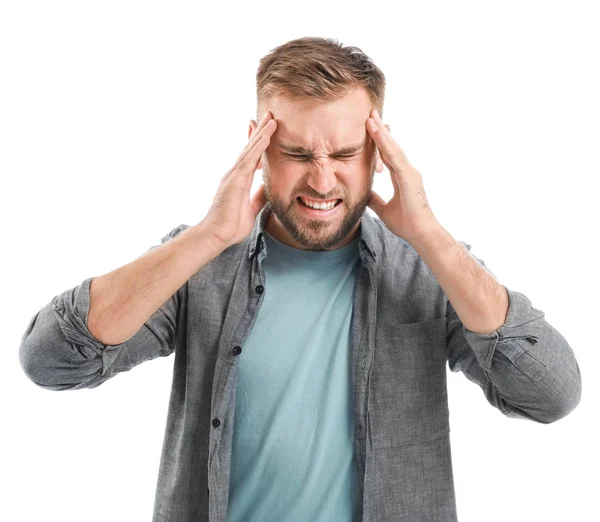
320, 68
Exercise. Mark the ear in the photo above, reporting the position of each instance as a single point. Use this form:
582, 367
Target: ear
251, 128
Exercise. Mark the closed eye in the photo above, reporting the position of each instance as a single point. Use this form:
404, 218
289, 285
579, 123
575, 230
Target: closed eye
307, 158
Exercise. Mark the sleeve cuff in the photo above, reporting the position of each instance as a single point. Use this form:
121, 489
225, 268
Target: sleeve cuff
522, 322
71, 308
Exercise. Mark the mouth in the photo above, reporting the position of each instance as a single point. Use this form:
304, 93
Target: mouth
330, 207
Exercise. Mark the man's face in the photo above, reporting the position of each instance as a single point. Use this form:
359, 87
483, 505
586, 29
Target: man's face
309, 155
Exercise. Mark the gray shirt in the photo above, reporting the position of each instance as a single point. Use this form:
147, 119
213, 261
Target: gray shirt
403, 332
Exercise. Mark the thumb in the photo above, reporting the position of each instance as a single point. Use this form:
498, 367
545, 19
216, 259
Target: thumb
258, 200
376, 203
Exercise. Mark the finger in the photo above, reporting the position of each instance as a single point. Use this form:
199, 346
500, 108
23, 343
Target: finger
264, 126
249, 164
392, 154
379, 162
239, 180
257, 133
266, 117
250, 179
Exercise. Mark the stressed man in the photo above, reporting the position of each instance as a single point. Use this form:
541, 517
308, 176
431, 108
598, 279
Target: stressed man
311, 338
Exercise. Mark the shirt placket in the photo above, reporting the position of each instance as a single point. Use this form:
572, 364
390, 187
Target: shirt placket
249, 288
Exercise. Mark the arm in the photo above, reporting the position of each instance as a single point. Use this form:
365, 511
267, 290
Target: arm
524, 366
135, 309
124, 299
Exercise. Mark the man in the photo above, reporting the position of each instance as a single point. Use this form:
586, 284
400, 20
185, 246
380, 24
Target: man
311, 338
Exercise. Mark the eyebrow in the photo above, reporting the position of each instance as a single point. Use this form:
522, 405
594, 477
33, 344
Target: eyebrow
297, 149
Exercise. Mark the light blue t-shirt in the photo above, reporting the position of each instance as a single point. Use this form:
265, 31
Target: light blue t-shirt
292, 454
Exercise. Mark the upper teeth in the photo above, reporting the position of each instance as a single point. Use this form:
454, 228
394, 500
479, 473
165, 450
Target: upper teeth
321, 206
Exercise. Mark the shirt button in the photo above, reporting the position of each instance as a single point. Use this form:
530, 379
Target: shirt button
259, 289
237, 350
216, 423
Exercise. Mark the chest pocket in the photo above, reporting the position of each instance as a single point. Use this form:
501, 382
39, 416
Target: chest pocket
408, 398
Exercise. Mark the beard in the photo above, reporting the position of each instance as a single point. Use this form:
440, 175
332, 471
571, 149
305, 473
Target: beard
316, 234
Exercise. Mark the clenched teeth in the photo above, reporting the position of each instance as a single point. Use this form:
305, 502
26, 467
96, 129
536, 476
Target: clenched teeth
320, 206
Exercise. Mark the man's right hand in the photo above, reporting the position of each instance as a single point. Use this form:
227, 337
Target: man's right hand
233, 212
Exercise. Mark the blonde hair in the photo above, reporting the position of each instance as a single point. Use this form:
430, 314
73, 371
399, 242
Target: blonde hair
321, 68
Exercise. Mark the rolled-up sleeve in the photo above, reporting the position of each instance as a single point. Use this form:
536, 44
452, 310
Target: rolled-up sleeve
58, 352
525, 368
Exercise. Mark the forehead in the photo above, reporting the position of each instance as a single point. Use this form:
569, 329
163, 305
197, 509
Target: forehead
312, 124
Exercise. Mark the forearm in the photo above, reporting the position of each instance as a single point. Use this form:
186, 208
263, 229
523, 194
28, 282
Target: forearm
480, 301
121, 301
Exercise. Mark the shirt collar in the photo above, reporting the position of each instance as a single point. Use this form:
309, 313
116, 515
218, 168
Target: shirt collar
369, 236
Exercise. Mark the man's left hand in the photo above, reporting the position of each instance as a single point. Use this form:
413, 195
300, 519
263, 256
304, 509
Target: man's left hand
407, 214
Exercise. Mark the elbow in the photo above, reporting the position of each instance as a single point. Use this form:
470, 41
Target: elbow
50, 372
31, 364
44, 354
559, 412
29, 359
568, 396
569, 401
54, 352
35, 365
550, 410
563, 403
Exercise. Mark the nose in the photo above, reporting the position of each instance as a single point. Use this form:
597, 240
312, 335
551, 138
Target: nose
321, 177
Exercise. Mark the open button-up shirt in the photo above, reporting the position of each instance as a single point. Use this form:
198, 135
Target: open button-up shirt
404, 331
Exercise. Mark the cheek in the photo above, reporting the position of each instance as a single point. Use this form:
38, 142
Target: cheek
288, 173
354, 182
284, 179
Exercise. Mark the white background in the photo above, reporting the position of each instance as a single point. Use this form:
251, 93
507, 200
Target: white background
117, 121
